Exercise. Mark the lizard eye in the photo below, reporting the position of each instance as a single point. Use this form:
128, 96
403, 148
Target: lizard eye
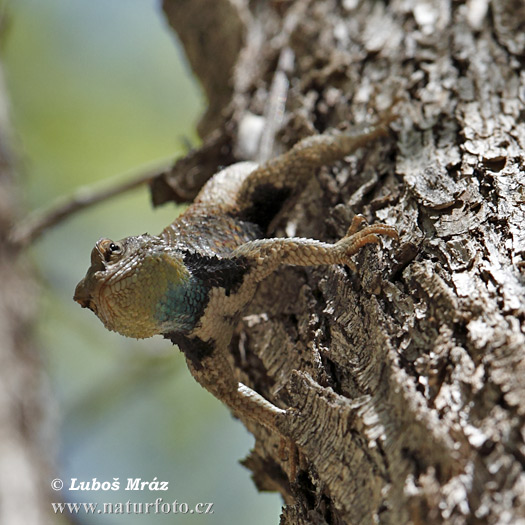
109, 250
113, 251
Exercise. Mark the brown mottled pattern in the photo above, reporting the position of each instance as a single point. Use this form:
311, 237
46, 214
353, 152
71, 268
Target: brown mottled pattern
209, 231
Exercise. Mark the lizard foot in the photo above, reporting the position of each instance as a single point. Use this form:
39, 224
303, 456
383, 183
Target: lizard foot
356, 237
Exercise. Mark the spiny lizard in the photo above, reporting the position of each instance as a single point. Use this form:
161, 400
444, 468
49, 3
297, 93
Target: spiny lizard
192, 282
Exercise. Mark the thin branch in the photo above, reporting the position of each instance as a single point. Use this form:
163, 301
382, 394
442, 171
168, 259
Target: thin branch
32, 227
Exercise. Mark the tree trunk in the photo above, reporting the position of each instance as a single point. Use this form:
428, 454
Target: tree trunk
406, 376
25, 472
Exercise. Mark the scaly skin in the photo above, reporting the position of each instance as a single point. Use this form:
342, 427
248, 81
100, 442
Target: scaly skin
191, 282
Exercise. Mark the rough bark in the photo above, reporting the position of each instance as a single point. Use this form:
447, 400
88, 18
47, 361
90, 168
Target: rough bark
25, 456
407, 377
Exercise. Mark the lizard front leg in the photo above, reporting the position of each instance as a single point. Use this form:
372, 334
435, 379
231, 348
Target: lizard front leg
269, 254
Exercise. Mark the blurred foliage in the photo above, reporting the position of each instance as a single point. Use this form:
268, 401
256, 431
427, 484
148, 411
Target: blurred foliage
98, 89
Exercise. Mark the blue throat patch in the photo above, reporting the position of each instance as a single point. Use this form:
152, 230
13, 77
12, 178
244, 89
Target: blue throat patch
182, 305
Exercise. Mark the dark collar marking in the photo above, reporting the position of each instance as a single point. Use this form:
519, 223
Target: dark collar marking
194, 348
213, 272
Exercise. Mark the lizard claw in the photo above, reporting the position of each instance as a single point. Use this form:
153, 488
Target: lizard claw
356, 238
357, 222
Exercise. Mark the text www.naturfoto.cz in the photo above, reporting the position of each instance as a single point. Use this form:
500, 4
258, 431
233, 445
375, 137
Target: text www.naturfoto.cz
129, 507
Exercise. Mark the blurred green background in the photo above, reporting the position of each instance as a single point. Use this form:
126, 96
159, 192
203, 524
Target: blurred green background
98, 89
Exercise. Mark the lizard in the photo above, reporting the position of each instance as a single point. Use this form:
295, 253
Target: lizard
192, 282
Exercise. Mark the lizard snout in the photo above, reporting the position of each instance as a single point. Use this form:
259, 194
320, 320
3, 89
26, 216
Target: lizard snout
83, 297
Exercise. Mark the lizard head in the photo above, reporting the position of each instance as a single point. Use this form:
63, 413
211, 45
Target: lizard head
127, 281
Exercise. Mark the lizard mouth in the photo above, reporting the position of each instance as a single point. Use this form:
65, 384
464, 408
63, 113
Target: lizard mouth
83, 297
